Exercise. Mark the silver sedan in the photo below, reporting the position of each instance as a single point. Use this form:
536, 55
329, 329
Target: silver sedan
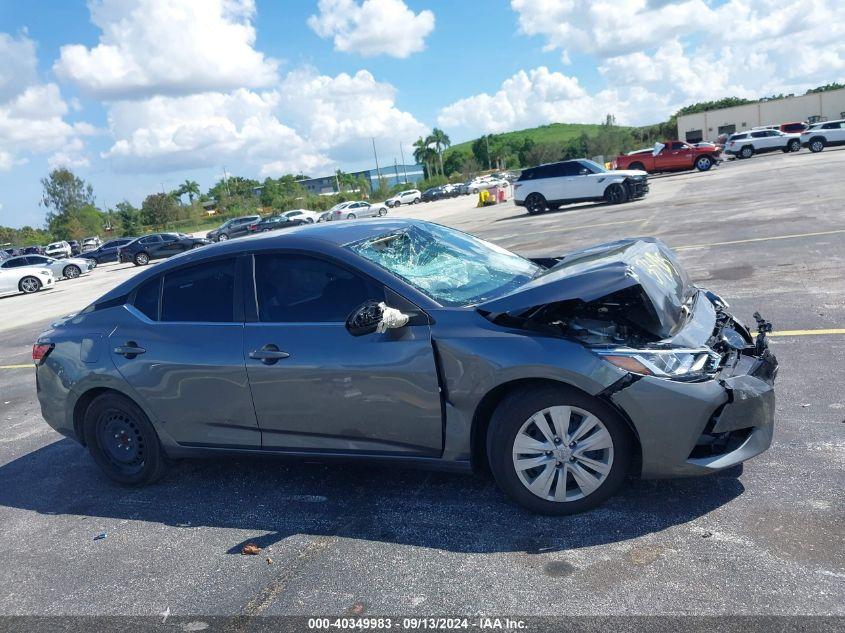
69, 268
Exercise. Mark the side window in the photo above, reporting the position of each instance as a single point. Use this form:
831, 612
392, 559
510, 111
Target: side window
16, 263
677, 146
300, 289
146, 298
200, 293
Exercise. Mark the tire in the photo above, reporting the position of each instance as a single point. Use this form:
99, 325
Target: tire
536, 204
222, 237
794, 145
141, 259
416, 200
29, 285
122, 441
816, 145
601, 470
382, 212
351, 216
637, 166
397, 203
746, 152
71, 272
615, 194
197, 246
703, 163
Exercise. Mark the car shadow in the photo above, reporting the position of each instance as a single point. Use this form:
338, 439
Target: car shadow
568, 208
273, 499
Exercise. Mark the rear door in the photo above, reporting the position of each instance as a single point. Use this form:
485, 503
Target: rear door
323, 389
180, 347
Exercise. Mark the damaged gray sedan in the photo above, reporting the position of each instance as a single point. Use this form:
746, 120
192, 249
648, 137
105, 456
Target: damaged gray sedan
405, 341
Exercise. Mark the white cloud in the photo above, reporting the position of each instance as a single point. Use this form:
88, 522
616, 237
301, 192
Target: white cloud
170, 47
308, 122
374, 27
31, 113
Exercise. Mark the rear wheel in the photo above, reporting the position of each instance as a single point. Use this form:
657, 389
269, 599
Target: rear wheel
71, 272
556, 450
703, 163
28, 285
816, 145
746, 152
351, 216
122, 441
794, 145
615, 194
141, 259
536, 204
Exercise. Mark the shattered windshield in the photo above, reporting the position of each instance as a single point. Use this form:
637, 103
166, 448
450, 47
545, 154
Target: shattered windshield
453, 268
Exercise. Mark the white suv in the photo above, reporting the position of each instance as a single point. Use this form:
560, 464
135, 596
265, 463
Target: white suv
411, 196
820, 135
746, 144
555, 184
58, 250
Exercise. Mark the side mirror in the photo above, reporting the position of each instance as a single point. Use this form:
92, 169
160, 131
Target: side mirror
372, 316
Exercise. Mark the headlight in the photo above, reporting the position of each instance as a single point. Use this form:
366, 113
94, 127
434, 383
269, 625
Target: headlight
678, 364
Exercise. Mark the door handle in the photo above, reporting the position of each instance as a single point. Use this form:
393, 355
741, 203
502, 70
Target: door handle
268, 354
130, 350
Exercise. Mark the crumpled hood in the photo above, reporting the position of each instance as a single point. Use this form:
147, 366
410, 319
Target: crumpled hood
641, 265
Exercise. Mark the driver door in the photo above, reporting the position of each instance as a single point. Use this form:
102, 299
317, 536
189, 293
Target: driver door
318, 388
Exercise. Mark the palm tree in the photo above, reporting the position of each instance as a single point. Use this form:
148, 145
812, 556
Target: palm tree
190, 187
441, 141
423, 154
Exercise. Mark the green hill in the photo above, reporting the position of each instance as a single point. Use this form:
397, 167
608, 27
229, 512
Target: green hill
554, 133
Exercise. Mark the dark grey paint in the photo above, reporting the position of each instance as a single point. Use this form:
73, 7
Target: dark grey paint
408, 394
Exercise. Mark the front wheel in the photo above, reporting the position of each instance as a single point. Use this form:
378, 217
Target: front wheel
222, 237
536, 204
615, 194
382, 212
416, 200
816, 145
28, 285
71, 272
703, 163
794, 145
122, 441
141, 259
557, 450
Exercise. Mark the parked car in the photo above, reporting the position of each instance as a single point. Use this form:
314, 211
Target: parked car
33, 250
823, 134
107, 252
414, 343
11, 252
303, 214
432, 194
68, 268
553, 185
410, 196
746, 144
359, 209
25, 279
793, 128
275, 222
58, 250
158, 246
90, 244
75, 248
670, 156
235, 227
486, 182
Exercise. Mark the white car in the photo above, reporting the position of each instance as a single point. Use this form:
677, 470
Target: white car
58, 249
69, 268
25, 279
358, 209
555, 184
302, 214
820, 135
487, 182
411, 196
746, 144
90, 244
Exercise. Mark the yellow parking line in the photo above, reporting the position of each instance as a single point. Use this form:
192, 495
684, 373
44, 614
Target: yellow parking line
807, 332
17, 366
759, 239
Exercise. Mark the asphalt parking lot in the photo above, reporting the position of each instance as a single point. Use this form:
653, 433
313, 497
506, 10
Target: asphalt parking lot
767, 234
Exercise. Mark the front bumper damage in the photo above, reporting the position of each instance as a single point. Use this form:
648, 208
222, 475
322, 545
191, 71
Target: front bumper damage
637, 187
697, 428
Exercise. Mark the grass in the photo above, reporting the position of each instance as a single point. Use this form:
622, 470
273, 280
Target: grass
558, 133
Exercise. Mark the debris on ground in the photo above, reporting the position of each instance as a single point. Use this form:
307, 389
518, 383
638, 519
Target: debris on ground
100, 536
250, 549
707, 535
269, 561
804, 406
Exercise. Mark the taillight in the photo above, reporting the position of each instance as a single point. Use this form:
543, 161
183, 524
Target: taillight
40, 352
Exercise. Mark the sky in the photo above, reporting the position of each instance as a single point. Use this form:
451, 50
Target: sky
136, 96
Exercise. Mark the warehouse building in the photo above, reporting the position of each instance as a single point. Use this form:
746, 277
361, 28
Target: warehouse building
391, 174
707, 126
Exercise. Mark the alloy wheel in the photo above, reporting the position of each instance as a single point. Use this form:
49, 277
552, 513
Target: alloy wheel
142, 259
703, 163
72, 272
817, 146
535, 204
30, 284
562, 453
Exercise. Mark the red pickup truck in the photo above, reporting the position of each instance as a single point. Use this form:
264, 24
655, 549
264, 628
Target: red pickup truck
672, 156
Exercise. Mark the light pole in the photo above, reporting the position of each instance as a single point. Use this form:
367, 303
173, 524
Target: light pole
404, 169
